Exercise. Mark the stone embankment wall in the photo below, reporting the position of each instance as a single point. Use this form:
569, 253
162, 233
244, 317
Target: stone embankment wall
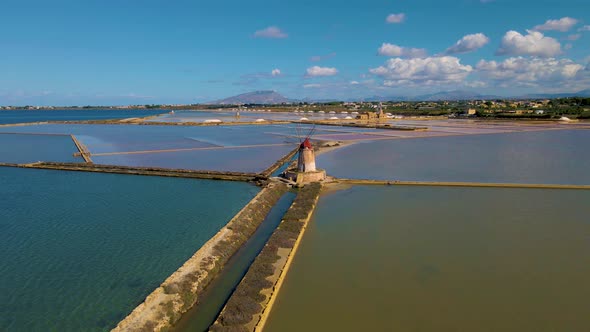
179, 292
250, 304
279, 163
153, 171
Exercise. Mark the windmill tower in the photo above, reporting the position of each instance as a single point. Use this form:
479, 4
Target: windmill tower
306, 159
306, 170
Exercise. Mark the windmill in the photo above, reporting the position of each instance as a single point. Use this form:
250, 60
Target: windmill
306, 154
306, 170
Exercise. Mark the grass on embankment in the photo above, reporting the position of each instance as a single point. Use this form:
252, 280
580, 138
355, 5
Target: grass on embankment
244, 308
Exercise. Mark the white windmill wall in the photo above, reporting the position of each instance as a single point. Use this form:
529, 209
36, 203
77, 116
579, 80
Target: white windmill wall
306, 160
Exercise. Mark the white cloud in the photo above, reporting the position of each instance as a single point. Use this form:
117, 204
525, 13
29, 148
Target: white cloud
354, 82
468, 43
563, 24
395, 18
387, 49
534, 43
321, 71
574, 36
584, 28
312, 86
270, 32
275, 72
423, 71
529, 71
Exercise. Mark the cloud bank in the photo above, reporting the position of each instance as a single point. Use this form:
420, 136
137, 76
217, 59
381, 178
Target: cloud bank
423, 71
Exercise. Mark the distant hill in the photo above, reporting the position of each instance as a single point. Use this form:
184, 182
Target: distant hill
273, 97
256, 97
582, 93
453, 95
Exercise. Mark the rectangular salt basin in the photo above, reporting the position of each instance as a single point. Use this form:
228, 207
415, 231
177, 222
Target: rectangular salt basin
381, 258
250, 160
555, 156
78, 250
124, 138
21, 149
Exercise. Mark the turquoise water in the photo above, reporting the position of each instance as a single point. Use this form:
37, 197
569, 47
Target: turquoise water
19, 149
78, 251
24, 116
212, 301
441, 259
555, 156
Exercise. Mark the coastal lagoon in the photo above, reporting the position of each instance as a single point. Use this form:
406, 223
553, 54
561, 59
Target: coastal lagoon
441, 259
24, 116
549, 156
79, 251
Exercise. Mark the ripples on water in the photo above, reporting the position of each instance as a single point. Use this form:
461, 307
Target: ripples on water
78, 251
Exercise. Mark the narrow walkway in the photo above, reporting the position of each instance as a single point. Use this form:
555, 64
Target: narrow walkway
84, 153
152, 171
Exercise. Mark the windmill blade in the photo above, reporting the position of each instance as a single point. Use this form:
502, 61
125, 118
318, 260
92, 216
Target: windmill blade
311, 131
299, 132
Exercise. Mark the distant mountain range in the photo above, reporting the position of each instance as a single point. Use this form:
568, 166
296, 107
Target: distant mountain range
256, 97
273, 97
470, 95
582, 93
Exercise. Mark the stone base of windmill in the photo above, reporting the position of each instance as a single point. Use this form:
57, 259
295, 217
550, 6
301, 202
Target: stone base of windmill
305, 177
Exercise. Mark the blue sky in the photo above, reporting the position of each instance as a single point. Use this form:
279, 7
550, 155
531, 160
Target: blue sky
142, 52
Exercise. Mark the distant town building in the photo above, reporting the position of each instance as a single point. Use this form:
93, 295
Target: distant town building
372, 115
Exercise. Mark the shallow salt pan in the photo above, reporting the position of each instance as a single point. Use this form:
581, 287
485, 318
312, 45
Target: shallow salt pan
554, 156
20, 149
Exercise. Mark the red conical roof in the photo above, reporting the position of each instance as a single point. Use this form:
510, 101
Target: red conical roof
306, 144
